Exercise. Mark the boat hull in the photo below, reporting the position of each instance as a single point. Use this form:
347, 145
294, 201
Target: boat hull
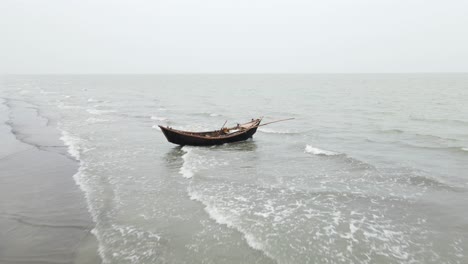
183, 138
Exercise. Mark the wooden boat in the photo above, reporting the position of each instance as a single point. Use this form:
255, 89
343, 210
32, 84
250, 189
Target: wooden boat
217, 137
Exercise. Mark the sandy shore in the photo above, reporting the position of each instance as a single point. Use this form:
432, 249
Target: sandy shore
43, 213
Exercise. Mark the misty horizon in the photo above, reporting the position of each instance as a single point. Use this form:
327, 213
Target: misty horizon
242, 37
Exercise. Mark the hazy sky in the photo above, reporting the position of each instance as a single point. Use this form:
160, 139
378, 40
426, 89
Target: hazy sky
233, 36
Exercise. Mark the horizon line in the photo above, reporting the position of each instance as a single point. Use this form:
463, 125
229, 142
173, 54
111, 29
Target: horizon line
238, 73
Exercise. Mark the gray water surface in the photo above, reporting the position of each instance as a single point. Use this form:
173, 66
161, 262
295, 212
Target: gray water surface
372, 170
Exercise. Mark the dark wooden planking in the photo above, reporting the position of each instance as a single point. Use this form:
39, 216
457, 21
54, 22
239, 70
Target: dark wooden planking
209, 138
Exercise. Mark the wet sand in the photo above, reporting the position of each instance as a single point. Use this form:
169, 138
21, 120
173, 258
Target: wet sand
43, 213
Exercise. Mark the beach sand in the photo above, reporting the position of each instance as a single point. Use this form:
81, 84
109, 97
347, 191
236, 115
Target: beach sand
43, 213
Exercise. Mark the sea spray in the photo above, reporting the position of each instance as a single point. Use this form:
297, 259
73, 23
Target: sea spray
317, 151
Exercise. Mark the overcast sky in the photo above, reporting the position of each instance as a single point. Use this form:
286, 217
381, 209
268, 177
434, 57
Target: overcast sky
233, 36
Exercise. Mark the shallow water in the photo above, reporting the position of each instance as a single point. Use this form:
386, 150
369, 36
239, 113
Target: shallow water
372, 170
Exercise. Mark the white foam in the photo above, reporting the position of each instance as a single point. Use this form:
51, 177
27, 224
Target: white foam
317, 151
254, 243
72, 143
353, 228
187, 173
214, 114
99, 112
94, 120
194, 161
223, 219
186, 170
135, 231
158, 118
465, 149
74, 148
336, 217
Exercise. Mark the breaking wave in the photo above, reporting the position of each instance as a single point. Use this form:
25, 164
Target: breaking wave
72, 143
193, 162
317, 151
74, 149
222, 219
187, 170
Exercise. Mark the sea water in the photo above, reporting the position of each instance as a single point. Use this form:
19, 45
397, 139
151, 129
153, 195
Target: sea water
373, 169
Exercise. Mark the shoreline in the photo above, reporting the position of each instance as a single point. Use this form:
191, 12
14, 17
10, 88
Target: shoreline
43, 213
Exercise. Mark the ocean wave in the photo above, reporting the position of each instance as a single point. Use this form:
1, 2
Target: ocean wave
380, 141
61, 105
272, 131
195, 160
134, 116
135, 231
440, 120
92, 100
269, 219
392, 131
208, 114
412, 177
146, 253
186, 170
99, 112
434, 137
317, 151
73, 144
157, 118
453, 149
94, 120
425, 181
46, 92
223, 219
415, 134
139, 116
